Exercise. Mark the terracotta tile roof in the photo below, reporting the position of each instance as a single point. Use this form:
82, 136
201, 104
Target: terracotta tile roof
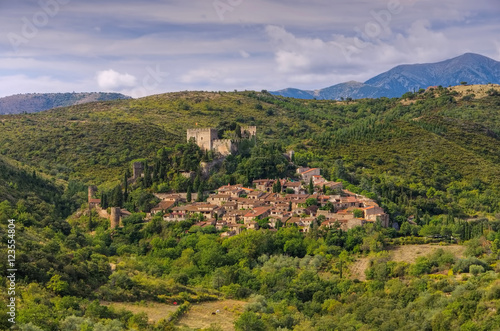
257, 211
305, 172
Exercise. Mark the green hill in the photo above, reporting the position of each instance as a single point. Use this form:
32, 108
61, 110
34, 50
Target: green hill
432, 155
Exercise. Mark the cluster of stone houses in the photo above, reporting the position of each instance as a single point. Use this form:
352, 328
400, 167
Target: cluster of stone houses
234, 207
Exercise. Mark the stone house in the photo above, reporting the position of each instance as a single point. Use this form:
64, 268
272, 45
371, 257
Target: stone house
264, 185
259, 213
234, 216
219, 199
163, 207
307, 175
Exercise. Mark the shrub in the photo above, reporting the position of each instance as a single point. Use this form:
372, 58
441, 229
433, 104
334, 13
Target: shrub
476, 269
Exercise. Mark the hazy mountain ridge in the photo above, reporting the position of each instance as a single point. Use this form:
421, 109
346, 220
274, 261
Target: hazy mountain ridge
36, 102
469, 67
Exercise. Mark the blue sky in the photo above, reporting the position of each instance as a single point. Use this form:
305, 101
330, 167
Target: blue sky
147, 47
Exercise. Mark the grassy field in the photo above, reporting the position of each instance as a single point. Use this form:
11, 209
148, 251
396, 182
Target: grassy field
200, 316
406, 253
410, 253
155, 311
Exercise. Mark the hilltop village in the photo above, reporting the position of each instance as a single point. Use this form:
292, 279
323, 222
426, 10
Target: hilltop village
271, 202
308, 200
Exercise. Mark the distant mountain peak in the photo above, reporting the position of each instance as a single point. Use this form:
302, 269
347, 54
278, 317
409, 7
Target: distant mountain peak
469, 67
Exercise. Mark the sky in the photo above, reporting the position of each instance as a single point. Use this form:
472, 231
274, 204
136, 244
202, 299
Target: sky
141, 48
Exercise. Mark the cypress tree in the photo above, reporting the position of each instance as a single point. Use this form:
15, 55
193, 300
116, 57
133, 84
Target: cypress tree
117, 199
125, 186
104, 202
147, 176
188, 195
197, 182
200, 197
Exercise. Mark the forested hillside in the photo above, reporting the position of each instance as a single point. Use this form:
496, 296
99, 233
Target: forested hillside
430, 159
435, 152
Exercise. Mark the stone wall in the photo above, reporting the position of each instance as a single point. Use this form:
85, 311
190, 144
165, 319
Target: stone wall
223, 146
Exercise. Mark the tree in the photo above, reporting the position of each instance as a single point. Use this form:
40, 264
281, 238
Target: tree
117, 197
197, 182
147, 176
358, 213
237, 131
343, 259
57, 285
104, 200
277, 186
249, 321
188, 194
200, 196
125, 186
405, 229
311, 186
340, 171
311, 202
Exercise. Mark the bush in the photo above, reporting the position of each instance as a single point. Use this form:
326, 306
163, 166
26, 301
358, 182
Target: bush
476, 269
463, 265
422, 266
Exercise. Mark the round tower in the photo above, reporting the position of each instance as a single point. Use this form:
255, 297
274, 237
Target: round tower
115, 217
92, 191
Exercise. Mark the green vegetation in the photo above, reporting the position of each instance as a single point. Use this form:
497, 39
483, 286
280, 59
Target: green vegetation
432, 164
437, 155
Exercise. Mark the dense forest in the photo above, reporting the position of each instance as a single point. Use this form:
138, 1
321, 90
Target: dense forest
429, 158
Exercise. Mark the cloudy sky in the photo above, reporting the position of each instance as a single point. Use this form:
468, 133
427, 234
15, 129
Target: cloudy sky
147, 47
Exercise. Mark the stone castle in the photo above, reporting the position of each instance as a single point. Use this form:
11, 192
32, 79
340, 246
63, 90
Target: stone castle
208, 140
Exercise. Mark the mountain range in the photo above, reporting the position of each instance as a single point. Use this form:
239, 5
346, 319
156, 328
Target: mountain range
36, 102
470, 68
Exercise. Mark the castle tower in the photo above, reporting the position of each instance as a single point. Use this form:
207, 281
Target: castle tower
92, 192
203, 137
248, 131
138, 169
115, 217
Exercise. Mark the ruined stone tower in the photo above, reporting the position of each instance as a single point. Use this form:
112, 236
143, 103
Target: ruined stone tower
208, 140
248, 131
115, 217
138, 170
92, 192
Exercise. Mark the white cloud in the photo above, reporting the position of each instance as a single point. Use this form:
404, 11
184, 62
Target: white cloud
244, 54
112, 80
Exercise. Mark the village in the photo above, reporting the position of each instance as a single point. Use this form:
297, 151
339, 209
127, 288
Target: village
306, 201
234, 208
